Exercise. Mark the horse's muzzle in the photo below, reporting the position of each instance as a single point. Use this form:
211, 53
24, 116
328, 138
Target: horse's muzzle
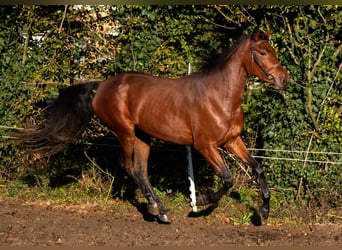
281, 80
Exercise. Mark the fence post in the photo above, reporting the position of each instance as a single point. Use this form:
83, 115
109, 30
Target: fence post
191, 170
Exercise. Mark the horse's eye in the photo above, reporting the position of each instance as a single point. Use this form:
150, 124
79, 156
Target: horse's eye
263, 53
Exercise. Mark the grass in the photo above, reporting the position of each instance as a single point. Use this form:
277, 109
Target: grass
92, 184
229, 210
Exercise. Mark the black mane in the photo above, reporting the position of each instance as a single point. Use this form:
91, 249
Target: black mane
219, 59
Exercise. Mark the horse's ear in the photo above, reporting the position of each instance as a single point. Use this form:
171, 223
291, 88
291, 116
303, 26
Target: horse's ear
255, 34
268, 34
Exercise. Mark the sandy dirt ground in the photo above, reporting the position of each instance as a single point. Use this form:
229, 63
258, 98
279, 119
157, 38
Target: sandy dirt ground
44, 224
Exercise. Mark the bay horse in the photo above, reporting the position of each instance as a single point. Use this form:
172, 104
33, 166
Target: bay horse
202, 109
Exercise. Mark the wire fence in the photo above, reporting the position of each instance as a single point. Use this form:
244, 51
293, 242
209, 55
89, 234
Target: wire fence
274, 158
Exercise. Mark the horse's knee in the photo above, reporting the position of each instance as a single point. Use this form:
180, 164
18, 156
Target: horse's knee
256, 167
227, 178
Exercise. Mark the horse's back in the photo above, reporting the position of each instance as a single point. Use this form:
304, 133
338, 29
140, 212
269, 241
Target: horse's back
159, 106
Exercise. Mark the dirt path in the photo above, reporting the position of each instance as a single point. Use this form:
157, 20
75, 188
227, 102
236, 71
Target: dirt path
33, 224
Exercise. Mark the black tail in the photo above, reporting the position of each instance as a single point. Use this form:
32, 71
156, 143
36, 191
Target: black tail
66, 120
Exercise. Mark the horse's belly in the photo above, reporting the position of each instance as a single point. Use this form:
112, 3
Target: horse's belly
172, 129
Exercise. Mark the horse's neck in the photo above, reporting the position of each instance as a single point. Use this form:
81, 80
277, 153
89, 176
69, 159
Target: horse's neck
229, 81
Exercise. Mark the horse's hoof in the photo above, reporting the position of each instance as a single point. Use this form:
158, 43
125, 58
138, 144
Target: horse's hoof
264, 212
162, 218
153, 209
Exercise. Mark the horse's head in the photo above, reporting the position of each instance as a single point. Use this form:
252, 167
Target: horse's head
263, 62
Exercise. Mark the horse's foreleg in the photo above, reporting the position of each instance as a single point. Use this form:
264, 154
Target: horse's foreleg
213, 156
238, 148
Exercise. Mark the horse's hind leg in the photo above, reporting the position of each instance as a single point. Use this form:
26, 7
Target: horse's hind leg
137, 170
239, 149
141, 154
